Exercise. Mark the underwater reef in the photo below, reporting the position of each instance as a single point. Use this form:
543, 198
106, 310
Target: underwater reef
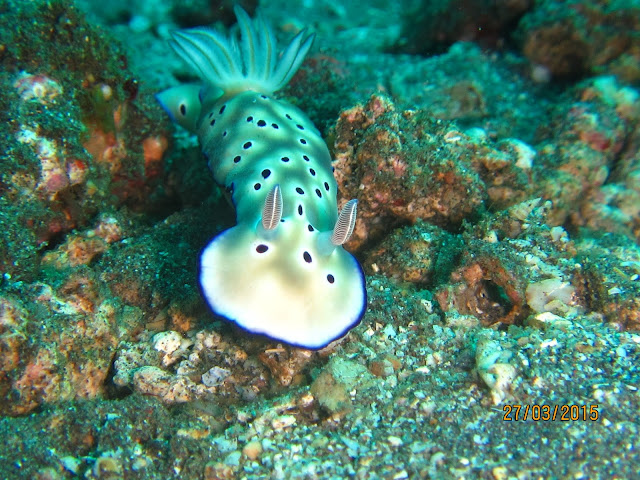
494, 151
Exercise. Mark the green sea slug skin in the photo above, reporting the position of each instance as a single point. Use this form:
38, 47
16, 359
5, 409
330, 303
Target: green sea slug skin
281, 271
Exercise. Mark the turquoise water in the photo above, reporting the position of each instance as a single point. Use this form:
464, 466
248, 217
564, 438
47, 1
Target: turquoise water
493, 153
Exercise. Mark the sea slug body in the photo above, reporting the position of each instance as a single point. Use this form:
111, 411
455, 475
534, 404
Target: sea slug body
281, 271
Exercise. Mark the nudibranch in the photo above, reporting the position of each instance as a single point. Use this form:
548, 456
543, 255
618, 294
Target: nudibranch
281, 271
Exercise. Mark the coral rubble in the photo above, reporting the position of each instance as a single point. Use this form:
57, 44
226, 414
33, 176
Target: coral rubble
498, 226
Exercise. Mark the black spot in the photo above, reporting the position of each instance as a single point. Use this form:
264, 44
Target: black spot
261, 248
285, 159
307, 257
310, 228
237, 159
183, 109
299, 209
261, 123
224, 134
330, 278
264, 96
300, 127
303, 141
210, 114
222, 109
312, 172
247, 145
333, 169
257, 186
265, 173
275, 125
288, 116
326, 186
319, 193
213, 122
249, 119
300, 191
306, 159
